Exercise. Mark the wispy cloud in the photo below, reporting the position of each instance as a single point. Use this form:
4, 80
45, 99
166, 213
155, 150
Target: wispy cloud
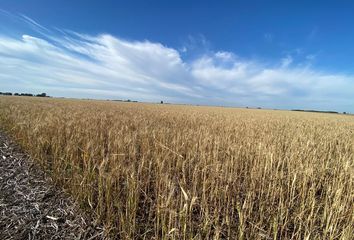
313, 33
268, 37
285, 62
104, 66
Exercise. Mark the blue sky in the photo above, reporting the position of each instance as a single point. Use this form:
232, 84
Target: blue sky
273, 54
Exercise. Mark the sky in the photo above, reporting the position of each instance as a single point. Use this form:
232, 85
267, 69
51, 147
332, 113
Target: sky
269, 54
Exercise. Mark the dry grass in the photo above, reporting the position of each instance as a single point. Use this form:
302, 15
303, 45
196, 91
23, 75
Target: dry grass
177, 172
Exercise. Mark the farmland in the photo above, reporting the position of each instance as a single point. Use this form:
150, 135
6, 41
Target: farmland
153, 171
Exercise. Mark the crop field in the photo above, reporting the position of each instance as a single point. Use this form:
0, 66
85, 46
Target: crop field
157, 171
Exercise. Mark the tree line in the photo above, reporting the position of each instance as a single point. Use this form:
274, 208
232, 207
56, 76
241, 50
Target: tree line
24, 94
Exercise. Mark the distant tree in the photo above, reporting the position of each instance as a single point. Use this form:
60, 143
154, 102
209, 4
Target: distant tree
26, 94
161, 102
344, 112
16, 94
42, 95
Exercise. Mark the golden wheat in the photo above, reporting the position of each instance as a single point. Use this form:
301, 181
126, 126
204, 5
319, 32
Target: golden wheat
150, 171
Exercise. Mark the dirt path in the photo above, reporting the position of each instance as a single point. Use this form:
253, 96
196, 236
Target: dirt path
30, 206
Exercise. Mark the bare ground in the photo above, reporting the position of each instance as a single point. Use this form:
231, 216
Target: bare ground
31, 207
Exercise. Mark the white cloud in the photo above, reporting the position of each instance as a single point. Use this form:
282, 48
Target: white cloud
252, 83
212, 71
104, 66
103, 62
225, 56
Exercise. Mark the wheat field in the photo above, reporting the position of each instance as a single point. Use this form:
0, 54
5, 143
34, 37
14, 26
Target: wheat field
153, 171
